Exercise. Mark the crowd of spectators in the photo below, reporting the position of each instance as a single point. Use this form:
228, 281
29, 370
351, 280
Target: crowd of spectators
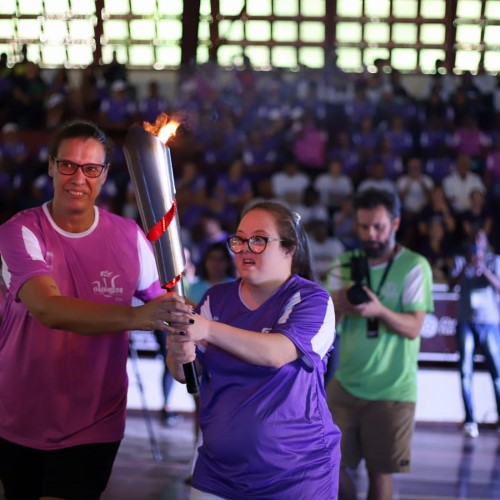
311, 138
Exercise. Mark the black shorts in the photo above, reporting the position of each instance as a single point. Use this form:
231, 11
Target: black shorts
75, 473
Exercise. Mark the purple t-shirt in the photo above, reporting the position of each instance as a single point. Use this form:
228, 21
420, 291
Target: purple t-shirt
58, 388
267, 432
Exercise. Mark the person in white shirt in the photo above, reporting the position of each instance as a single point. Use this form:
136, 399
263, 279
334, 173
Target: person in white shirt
376, 179
333, 185
414, 186
289, 183
460, 183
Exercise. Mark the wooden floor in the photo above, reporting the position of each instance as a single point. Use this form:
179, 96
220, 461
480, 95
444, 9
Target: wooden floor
446, 465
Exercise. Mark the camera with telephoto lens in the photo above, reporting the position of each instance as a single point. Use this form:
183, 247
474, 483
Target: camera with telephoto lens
356, 294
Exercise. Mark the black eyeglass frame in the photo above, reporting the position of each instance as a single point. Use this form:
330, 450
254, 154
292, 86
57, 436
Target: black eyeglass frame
76, 166
250, 241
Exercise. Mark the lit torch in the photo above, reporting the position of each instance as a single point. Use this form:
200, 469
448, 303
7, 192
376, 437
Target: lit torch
150, 168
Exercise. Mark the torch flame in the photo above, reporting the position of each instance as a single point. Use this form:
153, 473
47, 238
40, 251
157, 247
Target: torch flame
164, 127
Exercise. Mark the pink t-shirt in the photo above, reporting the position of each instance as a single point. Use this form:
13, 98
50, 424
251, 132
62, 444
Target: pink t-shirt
58, 388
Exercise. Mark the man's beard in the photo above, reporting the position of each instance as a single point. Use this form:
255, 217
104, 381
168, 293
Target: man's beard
376, 249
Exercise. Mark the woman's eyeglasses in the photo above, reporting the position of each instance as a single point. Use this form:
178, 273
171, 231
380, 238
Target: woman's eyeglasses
67, 167
256, 244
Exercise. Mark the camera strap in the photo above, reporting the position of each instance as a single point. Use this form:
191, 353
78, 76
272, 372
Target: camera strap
386, 272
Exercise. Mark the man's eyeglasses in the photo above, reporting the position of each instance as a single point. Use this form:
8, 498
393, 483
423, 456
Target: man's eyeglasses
67, 167
256, 244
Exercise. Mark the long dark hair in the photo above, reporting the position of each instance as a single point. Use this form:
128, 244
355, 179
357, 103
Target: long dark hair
291, 231
217, 247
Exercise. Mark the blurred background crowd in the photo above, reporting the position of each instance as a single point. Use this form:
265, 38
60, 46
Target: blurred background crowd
311, 138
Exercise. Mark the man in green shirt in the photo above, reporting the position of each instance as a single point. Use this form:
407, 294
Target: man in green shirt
372, 396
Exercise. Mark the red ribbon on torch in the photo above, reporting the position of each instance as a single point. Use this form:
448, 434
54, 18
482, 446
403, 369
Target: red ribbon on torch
155, 234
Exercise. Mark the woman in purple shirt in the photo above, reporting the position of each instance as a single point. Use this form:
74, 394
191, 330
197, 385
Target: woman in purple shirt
262, 343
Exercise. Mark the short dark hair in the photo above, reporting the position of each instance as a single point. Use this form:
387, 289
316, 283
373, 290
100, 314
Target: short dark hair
372, 197
84, 129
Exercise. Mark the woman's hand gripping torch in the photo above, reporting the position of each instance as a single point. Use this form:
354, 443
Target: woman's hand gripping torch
150, 168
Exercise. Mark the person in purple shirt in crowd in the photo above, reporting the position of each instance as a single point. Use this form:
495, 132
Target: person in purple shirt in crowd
152, 105
71, 270
366, 139
400, 138
343, 151
262, 343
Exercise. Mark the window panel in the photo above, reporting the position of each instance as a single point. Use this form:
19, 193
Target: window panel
312, 32
30, 6
170, 56
142, 29
80, 55
7, 7
231, 30
5, 48
231, 7
82, 8
491, 10
7, 28
432, 33
203, 31
286, 7
205, 8
380, 8
56, 6
467, 60
34, 52
141, 55
349, 32
405, 8
259, 56
492, 60
285, 57
81, 29
468, 34
349, 59
227, 55
470, 9
404, 59
312, 57
121, 53
312, 8
54, 55
372, 54
404, 33
433, 8
285, 31
428, 58
258, 31
170, 7
28, 28
377, 32
115, 29
492, 35
143, 7
202, 55
349, 8
259, 7
54, 31
116, 7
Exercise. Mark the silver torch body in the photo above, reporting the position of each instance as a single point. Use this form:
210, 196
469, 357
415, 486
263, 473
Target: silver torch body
150, 168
